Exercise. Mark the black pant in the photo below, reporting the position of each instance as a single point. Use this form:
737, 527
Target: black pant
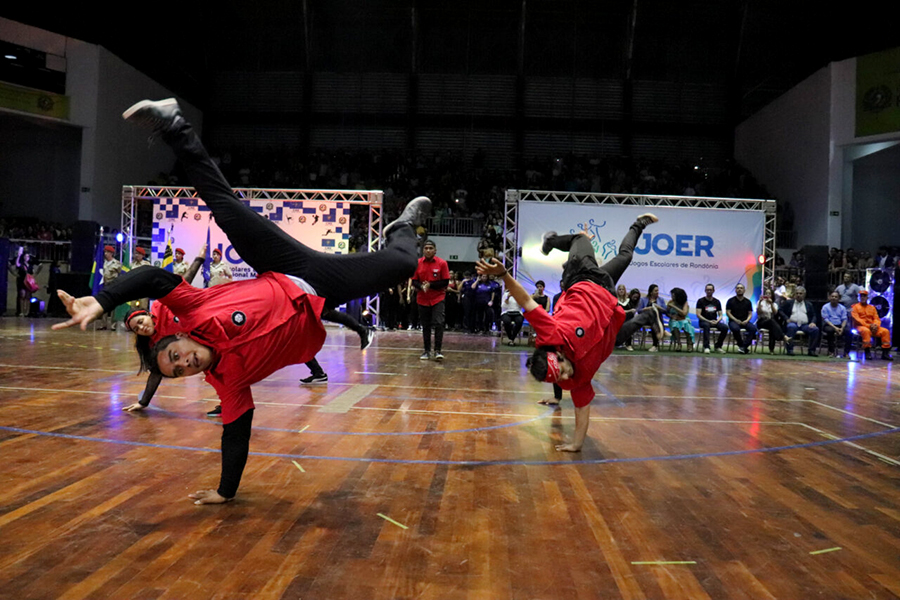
315, 369
432, 316
582, 264
482, 316
390, 306
830, 332
705, 328
776, 333
740, 340
512, 324
645, 319
338, 278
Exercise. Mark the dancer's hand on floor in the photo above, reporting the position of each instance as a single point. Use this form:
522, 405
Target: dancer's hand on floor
137, 406
208, 497
83, 310
567, 448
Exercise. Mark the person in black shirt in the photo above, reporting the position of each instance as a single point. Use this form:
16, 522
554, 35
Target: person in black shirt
709, 315
539, 296
739, 310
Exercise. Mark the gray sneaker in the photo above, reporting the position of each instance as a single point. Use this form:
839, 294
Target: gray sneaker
415, 213
425, 356
545, 242
438, 356
646, 219
159, 116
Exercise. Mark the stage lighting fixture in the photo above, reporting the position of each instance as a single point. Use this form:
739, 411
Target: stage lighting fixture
120, 238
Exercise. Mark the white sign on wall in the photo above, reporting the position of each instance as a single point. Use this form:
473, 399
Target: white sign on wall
322, 226
688, 248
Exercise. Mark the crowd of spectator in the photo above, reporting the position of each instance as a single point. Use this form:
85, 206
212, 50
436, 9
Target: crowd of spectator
460, 187
25, 228
841, 261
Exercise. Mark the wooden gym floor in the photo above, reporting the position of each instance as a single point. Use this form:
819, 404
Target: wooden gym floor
703, 477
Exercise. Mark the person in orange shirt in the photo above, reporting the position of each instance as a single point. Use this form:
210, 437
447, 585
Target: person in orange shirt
868, 324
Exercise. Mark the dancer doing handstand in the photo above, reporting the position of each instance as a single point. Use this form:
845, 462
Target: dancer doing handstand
239, 334
587, 321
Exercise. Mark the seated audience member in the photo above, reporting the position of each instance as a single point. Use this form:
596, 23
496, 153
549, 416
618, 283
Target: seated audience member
634, 300
739, 310
766, 309
653, 303
868, 325
800, 315
834, 323
709, 316
511, 317
848, 291
679, 312
539, 296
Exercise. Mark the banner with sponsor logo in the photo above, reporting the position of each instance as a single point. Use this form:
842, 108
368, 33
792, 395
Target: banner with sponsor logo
322, 226
688, 248
33, 101
878, 93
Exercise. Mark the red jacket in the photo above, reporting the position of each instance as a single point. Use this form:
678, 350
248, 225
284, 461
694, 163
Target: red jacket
435, 269
584, 325
255, 328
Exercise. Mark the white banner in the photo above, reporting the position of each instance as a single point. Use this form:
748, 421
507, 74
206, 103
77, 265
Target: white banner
688, 248
322, 226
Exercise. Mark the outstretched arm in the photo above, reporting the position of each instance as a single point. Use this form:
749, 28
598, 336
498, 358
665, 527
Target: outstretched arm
515, 288
146, 282
195, 266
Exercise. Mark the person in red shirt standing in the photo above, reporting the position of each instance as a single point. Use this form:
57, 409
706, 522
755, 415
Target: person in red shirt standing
587, 321
432, 277
240, 333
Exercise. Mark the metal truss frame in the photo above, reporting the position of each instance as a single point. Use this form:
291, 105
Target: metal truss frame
512, 252
374, 199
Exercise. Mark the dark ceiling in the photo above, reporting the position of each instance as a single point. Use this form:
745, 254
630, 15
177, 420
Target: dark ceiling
757, 48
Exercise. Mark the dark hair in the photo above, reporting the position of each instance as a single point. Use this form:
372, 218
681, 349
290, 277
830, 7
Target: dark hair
540, 282
652, 287
160, 346
537, 364
429, 243
679, 296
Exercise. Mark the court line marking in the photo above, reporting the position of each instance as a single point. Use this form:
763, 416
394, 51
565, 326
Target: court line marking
375, 373
374, 433
62, 368
831, 436
347, 399
847, 412
532, 418
468, 463
296, 464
